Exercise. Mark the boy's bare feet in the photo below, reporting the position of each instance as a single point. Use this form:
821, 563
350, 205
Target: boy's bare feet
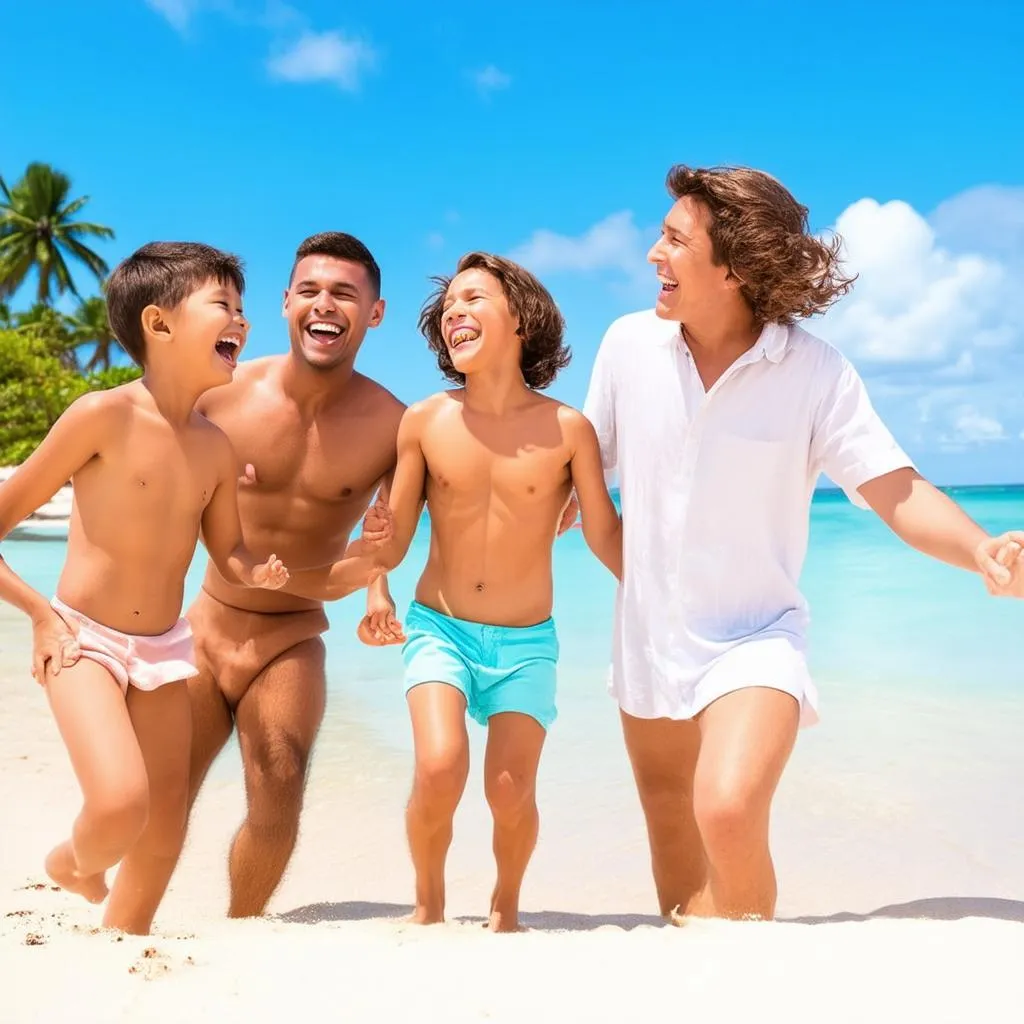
60, 866
424, 914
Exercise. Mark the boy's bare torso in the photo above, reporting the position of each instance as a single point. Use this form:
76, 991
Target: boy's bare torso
495, 488
314, 474
138, 506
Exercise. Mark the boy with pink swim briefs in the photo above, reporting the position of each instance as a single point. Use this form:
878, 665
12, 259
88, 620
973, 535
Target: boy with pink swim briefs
149, 474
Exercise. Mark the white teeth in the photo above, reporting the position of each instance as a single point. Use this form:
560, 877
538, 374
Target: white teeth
324, 326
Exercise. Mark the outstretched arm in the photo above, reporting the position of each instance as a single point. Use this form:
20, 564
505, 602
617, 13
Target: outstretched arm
78, 436
926, 519
222, 530
602, 525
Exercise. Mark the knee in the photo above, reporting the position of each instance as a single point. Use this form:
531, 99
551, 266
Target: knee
276, 774
441, 777
728, 815
510, 796
122, 812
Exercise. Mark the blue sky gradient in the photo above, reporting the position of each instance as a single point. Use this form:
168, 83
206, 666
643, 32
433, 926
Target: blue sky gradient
544, 131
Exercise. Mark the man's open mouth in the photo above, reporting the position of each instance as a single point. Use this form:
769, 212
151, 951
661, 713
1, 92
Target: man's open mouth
228, 349
324, 331
668, 285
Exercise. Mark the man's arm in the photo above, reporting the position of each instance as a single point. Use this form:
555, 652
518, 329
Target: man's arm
222, 529
602, 525
926, 519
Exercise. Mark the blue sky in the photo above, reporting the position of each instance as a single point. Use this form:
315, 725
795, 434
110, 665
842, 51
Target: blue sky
544, 131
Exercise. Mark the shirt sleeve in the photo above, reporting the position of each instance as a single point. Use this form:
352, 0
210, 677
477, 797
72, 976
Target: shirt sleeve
850, 443
599, 406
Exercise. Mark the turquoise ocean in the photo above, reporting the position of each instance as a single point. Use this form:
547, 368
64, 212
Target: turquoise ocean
908, 787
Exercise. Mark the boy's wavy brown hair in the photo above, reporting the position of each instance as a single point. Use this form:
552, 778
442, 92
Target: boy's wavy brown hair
541, 326
759, 231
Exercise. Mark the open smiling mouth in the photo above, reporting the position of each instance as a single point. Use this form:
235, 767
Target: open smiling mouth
324, 332
228, 350
461, 336
667, 284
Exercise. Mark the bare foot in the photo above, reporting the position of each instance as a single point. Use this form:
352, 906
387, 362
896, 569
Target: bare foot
60, 866
504, 922
426, 915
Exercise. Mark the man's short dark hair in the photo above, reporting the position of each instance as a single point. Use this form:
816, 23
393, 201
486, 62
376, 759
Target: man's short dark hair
341, 247
541, 326
163, 274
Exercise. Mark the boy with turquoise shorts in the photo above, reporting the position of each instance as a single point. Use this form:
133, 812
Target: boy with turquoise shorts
495, 462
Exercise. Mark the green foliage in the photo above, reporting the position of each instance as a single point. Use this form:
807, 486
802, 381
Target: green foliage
36, 387
38, 232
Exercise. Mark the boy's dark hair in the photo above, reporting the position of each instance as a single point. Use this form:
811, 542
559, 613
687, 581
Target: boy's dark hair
341, 247
541, 326
162, 274
759, 231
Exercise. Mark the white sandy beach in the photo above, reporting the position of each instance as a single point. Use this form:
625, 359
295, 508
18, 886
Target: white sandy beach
899, 894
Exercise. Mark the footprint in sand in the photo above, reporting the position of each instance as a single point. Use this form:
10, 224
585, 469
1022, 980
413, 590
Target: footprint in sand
154, 963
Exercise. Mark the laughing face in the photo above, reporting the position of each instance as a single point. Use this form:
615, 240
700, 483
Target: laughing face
476, 323
329, 305
690, 280
209, 325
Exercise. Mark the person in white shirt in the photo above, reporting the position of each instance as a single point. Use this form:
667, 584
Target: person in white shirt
718, 413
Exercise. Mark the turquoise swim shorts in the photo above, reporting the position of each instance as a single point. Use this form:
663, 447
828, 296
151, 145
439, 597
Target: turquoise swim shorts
497, 668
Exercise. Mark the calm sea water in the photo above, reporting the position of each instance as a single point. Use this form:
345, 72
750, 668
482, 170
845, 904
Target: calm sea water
883, 616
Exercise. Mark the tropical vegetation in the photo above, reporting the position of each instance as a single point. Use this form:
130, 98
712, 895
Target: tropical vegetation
49, 356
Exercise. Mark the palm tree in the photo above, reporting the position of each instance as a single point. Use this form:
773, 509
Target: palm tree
53, 328
90, 326
37, 231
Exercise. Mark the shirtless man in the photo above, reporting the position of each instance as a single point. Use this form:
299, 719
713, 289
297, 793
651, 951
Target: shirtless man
495, 462
316, 440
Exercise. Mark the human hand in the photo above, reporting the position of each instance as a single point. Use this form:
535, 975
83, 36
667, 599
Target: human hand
569, 514
380, 627
378, 526
270, 575
1001, 562
54, 644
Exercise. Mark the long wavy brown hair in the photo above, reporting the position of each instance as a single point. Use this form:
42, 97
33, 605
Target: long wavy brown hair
759, 231
541, 326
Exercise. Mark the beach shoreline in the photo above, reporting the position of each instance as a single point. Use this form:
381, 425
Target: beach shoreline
924, 931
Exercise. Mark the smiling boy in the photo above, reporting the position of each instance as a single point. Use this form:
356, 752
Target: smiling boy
149, 474
494, 460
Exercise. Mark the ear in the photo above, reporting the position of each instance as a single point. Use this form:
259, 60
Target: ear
733, 281
284, 303
156, 325
377, 313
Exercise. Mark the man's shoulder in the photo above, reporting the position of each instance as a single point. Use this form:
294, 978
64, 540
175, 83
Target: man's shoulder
378, 397
641, 322
814, 354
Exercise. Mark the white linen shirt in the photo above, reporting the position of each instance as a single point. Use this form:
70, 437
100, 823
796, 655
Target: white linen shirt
715, 489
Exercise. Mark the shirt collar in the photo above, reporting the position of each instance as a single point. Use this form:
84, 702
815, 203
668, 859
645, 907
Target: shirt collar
772, 342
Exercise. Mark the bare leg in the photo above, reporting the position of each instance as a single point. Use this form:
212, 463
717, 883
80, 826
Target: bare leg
163, 724
514, 743
441, 745
200, 713
663, 754
278, 719
94, 723
746, 740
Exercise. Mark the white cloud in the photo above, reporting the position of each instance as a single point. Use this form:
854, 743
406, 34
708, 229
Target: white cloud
914, 301
491, 79
615, 243
324, 56
177, 12
971, 425
989, 218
